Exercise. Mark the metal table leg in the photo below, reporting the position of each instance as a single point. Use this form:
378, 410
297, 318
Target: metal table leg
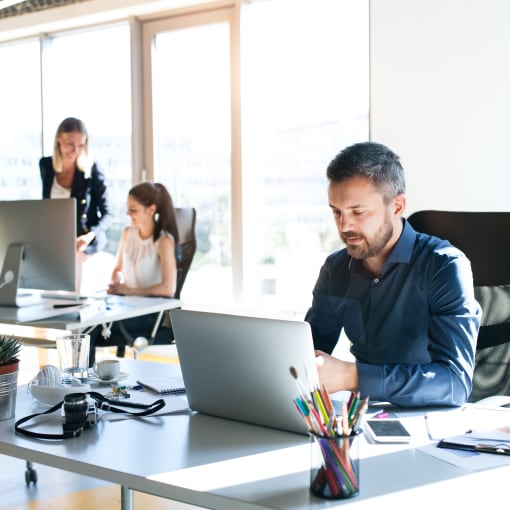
126, 498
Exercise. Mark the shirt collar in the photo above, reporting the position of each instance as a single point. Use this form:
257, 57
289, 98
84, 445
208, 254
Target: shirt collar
401, 253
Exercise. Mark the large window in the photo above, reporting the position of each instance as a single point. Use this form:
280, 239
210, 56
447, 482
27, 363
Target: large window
20, 121
305, 97
192, 141
78, 80
304, 91
238, 111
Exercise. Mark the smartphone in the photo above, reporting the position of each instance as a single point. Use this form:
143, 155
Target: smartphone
387, 430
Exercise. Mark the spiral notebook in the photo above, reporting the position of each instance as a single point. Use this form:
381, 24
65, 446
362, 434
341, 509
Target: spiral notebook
164, 385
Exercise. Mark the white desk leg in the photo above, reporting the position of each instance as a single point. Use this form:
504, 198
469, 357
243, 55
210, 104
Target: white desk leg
126, 498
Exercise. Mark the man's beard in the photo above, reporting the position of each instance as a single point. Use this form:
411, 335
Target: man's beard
371, 247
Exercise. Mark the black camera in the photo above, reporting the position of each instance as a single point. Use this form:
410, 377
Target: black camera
78, 413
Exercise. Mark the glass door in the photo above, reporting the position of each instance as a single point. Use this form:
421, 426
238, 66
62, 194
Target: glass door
187, 79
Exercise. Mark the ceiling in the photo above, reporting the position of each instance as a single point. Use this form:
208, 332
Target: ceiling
10, 8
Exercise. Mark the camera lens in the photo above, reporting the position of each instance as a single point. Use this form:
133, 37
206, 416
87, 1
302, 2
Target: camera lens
75, 407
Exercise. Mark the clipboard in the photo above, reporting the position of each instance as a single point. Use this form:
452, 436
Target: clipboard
495, 441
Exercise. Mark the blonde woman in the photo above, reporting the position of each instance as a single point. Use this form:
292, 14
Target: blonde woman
69, 173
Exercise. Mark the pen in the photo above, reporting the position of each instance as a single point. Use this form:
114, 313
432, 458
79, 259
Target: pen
345, 419
317, 420
351, 398
319, 405
329, 406
354, 405
304, 411
327, 399
428, 428
356, 417
487, 448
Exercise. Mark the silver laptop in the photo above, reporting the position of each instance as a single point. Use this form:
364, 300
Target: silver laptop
238, 367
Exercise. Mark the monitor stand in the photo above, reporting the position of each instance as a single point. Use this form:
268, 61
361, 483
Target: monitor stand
10, 293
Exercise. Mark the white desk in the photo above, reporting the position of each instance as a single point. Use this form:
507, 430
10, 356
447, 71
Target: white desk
222, 464
46, 316
117, 308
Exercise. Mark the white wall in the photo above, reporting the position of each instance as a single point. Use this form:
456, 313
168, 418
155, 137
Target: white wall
440, 98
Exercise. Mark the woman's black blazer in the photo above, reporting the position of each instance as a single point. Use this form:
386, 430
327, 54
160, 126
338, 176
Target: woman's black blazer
93, 210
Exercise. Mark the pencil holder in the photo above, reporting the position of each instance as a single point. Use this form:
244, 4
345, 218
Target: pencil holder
334, 471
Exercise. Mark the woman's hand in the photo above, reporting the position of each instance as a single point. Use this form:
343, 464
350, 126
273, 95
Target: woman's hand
118, 288
84, 240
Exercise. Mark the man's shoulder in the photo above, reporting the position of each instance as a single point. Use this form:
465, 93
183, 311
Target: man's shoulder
434, 250
433, 244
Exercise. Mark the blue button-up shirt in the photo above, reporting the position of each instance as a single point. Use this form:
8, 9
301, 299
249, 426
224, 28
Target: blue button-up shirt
413, 328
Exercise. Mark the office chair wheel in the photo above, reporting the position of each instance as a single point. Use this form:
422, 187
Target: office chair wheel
30, 475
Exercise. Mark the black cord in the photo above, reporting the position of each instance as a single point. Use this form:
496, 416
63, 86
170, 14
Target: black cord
105, 404
29, 433
102, 402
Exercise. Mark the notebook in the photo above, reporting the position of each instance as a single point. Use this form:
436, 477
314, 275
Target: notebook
163, 385
238, 367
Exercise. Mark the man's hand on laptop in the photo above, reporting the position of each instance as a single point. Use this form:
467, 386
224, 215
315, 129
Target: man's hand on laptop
336, 374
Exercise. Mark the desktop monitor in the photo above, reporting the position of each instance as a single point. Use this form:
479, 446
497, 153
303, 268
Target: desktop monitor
37, 249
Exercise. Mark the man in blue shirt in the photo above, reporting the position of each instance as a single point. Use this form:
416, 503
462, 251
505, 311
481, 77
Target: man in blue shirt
404, 299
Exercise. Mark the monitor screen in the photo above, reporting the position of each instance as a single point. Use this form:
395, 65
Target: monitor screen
37, 248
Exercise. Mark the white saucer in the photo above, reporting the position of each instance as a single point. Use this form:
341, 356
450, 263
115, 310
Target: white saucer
95, 378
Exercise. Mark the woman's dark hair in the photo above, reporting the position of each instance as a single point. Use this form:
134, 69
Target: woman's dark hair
154, 193
374, 162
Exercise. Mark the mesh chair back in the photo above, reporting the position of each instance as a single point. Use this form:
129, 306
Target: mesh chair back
483, 237
185, 250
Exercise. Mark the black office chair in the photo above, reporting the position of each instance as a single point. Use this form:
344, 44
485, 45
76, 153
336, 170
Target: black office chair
483, 237
184, 253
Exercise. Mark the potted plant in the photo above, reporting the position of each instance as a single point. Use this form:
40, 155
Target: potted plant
9, 364
9, 352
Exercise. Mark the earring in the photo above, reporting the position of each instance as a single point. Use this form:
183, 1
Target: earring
156, 217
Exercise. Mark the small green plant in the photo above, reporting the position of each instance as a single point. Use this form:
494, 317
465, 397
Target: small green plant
9, 349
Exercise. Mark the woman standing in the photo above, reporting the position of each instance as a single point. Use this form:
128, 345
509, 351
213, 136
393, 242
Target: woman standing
69, 173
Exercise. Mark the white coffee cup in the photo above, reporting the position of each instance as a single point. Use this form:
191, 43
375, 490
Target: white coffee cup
108, 369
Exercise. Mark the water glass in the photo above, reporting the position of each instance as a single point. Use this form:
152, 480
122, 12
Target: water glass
73, 353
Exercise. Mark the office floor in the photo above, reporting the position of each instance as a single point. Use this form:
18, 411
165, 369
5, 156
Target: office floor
58, 489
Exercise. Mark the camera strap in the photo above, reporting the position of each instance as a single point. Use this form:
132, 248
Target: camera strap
102, 402
105, 404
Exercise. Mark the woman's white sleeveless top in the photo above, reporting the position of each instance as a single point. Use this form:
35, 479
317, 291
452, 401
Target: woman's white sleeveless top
141, 266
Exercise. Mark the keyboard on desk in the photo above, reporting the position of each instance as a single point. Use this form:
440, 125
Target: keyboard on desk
66, 296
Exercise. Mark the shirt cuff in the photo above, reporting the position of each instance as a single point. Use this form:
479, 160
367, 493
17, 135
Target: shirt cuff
370, 381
